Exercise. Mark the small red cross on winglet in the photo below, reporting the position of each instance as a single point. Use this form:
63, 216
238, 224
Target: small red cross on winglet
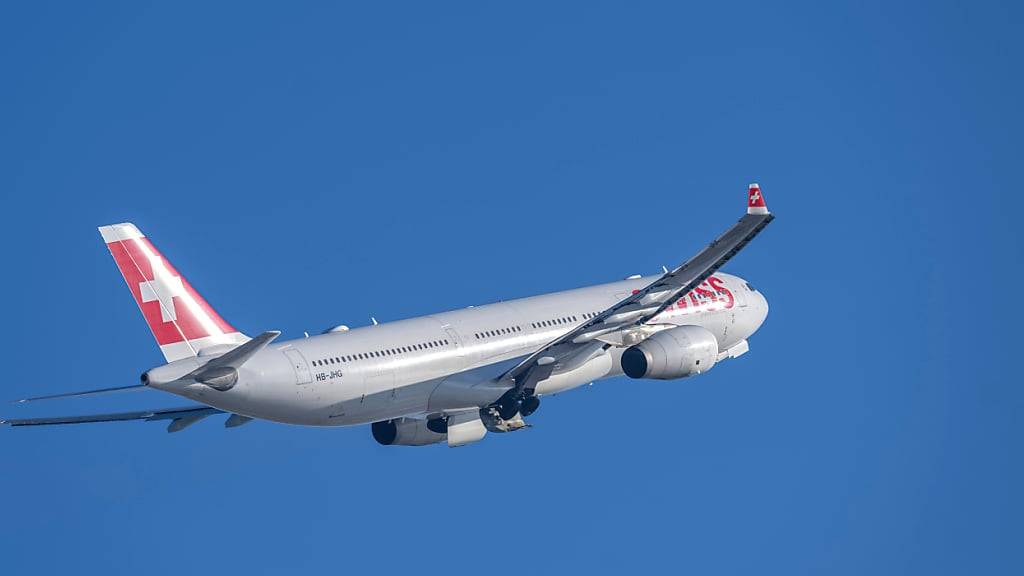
755, 200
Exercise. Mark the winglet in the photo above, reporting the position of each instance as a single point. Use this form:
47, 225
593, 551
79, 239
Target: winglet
755, 200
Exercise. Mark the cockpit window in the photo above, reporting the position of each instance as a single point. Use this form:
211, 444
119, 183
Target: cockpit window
749, 287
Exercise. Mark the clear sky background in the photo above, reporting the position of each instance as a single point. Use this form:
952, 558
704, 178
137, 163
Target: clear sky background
309, 164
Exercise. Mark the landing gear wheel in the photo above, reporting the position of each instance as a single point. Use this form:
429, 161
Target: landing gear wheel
529, 405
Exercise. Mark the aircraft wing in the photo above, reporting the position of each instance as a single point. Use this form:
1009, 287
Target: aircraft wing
580, 344
180, 417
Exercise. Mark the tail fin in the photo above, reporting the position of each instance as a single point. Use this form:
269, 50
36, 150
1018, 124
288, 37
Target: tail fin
181, 321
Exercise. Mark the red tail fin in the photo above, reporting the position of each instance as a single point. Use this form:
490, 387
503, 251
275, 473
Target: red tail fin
181, 320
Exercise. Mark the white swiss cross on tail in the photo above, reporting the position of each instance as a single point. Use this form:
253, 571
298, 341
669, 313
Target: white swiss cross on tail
181, 320
164, 287
755, 200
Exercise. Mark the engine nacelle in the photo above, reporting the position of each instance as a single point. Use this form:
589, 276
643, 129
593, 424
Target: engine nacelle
459, 429
673, 353
405, 432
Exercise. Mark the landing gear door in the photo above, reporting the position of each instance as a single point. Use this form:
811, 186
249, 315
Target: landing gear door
302, 373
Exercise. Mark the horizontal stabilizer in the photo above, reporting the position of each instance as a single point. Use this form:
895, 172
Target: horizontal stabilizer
131, 388
148, 415
235, 357
221, 373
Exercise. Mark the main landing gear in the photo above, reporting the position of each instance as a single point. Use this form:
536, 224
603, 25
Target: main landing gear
508, 412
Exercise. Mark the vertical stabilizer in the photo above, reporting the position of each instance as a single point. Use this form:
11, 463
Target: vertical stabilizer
182, 322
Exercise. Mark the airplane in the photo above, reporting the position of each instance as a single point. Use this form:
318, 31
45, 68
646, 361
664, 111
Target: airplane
450, 377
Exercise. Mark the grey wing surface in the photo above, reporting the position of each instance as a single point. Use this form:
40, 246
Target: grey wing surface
132, 388
179, 417
579, 344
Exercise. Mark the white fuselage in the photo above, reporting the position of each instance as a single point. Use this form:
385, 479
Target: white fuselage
448, 361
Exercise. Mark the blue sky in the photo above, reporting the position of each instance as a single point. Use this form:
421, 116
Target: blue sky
308, 164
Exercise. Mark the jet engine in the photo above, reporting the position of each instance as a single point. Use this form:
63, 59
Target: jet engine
673, 353
458, 429
405, 432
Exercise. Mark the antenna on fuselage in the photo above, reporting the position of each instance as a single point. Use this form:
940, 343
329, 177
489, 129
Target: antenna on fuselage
664, 269
374, 320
